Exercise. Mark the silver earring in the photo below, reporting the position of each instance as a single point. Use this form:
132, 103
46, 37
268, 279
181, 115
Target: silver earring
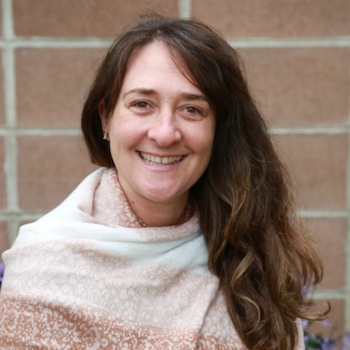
105, 135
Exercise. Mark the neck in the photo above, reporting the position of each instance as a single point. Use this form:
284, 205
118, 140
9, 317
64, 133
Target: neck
155, 214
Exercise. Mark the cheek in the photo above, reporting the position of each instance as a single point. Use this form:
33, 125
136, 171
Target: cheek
123, 134
203, 141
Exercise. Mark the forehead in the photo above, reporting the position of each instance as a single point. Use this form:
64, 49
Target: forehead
157, 61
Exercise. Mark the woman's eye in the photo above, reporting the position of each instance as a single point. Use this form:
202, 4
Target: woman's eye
193, 110
141, 104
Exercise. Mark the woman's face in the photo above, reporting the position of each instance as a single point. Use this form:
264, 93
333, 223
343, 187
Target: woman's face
162, 128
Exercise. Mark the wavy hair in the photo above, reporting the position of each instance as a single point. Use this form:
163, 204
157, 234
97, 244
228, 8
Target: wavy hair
257, 247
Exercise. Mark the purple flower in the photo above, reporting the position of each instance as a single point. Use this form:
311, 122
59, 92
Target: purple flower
346, 342
2, 268
304, 324
326, 324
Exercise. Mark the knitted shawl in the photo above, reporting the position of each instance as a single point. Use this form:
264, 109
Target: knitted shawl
89, 275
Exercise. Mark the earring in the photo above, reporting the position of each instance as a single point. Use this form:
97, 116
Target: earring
105, 135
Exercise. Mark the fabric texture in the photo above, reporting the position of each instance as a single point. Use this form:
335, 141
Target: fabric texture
90, 275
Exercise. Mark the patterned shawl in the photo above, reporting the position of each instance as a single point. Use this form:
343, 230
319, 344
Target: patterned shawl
89, 275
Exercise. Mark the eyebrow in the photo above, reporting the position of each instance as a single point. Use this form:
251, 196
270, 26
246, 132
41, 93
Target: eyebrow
141, 91
184, 95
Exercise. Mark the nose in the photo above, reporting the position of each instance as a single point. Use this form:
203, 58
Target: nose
164, 130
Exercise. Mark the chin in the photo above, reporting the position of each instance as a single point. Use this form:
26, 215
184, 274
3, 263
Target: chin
163, 195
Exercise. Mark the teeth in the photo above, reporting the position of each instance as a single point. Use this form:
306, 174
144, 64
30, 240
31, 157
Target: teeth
159, 160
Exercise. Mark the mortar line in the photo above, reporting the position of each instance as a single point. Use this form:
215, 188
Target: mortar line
7, 20
311, 130
185, 7
9, 88
302, 213
292, 130
41, 42
12, 229
10, 115
185, 12
327, 213
287, 42
336, 294
22, 214
42, 131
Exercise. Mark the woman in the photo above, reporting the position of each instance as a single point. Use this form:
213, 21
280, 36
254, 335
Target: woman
187, 238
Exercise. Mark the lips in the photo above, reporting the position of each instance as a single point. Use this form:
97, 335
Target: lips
156, 160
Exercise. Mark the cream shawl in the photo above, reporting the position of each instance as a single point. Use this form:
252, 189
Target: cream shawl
75, 280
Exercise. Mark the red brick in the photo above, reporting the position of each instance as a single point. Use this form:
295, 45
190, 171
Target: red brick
1, 34
52, 85
330, 236
276, 19
333, 328
2, 106
3, 200
49, 168
299, 86
318, 165
4, 242
81, 18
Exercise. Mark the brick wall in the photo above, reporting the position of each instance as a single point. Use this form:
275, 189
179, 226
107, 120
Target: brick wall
297, 59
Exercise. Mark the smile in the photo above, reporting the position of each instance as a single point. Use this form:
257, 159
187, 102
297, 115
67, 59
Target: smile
156, 160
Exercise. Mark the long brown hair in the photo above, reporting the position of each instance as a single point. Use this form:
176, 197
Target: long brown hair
257, 247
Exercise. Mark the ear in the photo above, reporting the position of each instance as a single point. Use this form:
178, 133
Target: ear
103, 117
